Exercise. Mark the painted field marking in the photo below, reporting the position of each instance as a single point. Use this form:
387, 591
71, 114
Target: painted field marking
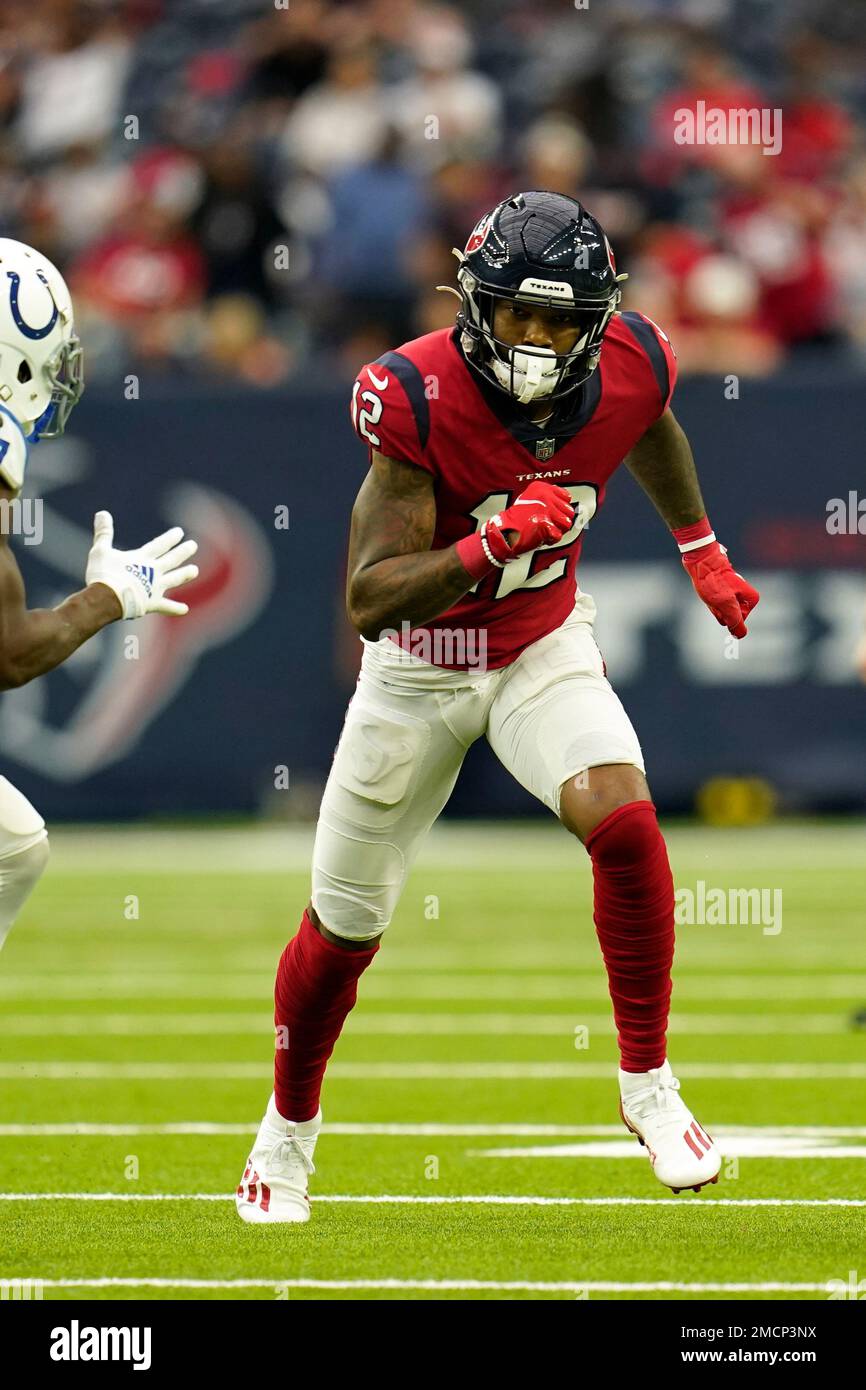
454, 1200
373, 1024
423, 1071
732, 1145
434, 1285
192, 1128
565, 984
85, 849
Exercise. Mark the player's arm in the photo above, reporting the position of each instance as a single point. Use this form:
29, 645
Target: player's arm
860, 654
395, 577
119, 584
663, 464
33, 641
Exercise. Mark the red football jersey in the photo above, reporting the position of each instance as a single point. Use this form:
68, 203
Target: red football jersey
424, 404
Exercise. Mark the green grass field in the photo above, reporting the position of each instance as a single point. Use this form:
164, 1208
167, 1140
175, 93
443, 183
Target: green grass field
471, 1149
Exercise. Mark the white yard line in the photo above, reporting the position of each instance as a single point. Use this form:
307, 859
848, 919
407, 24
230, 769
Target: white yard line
432, 1285
423, 1071
373, 1024
288, 848
90, 1129
404, 1199
163, 984
565, 984
772, 1146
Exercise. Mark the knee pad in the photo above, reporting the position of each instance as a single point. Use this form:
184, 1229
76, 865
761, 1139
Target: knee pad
20, 823
20, 870
22, 866
23, 852
357, 881
354, 911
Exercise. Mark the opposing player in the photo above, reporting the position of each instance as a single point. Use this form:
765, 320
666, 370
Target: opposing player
41, 380
491, 446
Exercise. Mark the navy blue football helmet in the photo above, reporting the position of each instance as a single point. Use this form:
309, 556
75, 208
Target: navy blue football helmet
545, 249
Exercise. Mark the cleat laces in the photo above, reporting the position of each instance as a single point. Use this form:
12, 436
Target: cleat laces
285, 1154
658, 1096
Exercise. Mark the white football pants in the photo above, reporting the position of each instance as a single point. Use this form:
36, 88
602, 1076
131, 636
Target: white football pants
23, 853
548, 716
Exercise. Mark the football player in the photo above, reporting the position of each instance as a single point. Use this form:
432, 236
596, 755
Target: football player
491, 445
41, 380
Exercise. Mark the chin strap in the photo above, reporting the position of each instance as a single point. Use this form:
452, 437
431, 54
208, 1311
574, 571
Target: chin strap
39, 426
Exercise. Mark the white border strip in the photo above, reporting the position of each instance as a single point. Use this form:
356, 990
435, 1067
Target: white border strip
88, 1129
405, 1199
372, 1023
423, 1071
517, 1286
426, 982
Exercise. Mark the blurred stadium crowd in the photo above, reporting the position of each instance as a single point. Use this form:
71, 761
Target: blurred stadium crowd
255, 190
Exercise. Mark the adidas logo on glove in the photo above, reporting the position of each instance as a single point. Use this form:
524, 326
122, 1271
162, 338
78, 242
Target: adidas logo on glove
144, 573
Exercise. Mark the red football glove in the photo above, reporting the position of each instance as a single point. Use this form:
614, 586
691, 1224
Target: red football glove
540, 516
726, 593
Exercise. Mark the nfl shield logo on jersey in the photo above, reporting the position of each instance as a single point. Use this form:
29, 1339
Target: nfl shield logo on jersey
544, 449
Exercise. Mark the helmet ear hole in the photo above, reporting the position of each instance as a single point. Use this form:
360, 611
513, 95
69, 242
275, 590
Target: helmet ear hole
24, 372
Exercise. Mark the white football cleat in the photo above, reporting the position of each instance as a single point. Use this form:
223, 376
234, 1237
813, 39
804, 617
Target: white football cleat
274, 1185
682, 1154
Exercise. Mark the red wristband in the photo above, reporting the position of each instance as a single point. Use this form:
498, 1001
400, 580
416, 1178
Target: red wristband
472, 556
694, 536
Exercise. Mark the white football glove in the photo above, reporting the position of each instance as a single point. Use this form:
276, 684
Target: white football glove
141, 577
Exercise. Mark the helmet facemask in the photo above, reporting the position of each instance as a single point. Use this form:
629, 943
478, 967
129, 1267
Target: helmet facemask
524, 373
64, 373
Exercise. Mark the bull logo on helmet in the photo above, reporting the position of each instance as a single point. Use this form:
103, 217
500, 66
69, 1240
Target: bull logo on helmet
479, 235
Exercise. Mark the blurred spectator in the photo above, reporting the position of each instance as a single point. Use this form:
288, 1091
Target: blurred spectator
555, 154
341, 120
860, 665
71, 91
777, 231
722, 327
445, 109
377, 210
89, 181
818, 132
708, 302
287, 52
844, 246
235, 342
710, 78
235, 222
149, 269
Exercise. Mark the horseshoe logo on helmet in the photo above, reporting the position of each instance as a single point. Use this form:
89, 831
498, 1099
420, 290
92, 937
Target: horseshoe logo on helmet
23, 327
